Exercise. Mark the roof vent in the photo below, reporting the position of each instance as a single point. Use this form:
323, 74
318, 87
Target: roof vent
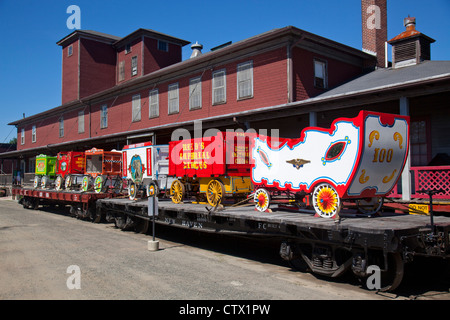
411, 46
196, 50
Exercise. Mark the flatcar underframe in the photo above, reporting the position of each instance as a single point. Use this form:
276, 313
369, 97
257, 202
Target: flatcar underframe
323, 246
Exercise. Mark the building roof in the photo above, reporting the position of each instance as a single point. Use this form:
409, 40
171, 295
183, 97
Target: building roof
149, 33
389, 78
87, 33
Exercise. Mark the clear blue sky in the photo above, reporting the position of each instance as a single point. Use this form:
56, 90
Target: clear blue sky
30, 60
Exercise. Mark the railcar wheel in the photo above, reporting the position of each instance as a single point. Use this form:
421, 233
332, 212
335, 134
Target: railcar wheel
326, 201
262, 200
98, 184
85, 183
59, 185
141, 225
132, 190
369, 206
390, 279
152, 189
36, 181
177, 191
68, 182
215, 192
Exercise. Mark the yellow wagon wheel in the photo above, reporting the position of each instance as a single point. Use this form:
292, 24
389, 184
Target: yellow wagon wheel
326, 201
177, 191
215, 192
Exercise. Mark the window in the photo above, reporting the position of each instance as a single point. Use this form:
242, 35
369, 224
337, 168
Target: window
121, 70
22, 136
173, 98
219, 87
61, 127
104, 116
127, 48
134, 68
245, 80
136, 108
163, 46
81, 121
420, 150
33, 134
320, 74
70, 50
195, 93
153, 102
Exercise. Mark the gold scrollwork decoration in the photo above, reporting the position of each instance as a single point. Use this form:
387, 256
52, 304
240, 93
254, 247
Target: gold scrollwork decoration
373, 135
386, 179
363, 178
398, 136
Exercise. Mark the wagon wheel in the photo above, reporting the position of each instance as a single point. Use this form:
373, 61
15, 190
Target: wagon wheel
36, 181
44, 182
177, 191
152, 189
98, 184
59, 185
326, 201
85, 183
262, 200
132, 190
215, 192
68, 182
369, 206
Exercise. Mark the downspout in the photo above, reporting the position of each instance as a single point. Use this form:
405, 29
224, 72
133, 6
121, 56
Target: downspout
290, 68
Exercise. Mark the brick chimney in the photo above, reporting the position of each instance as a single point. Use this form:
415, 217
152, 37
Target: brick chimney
374, 29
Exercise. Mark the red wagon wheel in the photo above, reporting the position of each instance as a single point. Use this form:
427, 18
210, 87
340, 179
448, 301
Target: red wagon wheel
262, 200
326, 201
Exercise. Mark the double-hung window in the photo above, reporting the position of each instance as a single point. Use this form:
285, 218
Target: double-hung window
245, 80
173, 99
33, 133
81, 121
219, 87
195, 93
320, 74
136, 108
61, 127
153, 103
134, 66
22, 136
104, 116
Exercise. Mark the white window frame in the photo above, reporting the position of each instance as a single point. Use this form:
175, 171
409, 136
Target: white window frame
245, 78
104, 116
195, 93
173, 99
136, 108
128, 48
320, 74
33, 133
22, 136
81, 121
61, 127
153, 103
222, 75
134, 65
70, 50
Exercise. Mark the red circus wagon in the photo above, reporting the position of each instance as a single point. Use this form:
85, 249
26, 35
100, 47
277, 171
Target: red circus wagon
103, 170
210, 168
70, 167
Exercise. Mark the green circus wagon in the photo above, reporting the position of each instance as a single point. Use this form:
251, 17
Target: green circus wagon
45, 171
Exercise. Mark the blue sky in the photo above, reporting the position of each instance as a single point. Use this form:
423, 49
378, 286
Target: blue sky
30, 60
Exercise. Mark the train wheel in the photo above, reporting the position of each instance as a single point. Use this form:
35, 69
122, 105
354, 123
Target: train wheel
390, 277
151, 189
68, 182
132, 190
36, 181
177, 191
85, 183
262, 200
369, 206
59, 183
326, 201
215, 192
98, 184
